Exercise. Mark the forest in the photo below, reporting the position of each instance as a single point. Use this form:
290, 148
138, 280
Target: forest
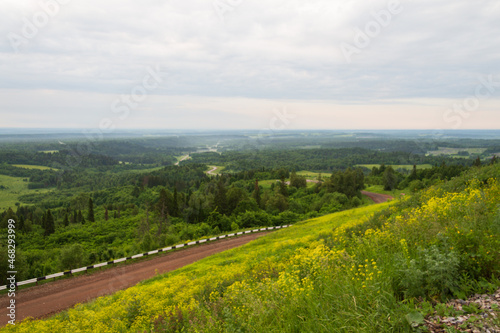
80, 203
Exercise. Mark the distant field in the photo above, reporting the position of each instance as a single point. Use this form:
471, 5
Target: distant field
146, 170
182, 158
14, 188
267, 183
380, 189
49, 151
309, 175
312, 175
37, 167
454, 151
395, 167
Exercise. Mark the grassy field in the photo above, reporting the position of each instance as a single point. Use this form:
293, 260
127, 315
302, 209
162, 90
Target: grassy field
380, 189
146, 170
454, 152
14, 188
308, 174
267, 183
49, 151
399, 166
312, 175
37, 167
182, 158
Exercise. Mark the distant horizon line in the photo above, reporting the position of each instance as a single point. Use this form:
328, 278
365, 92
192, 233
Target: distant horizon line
244, 129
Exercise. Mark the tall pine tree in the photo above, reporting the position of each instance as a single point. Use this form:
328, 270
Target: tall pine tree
80, 218
20, 225
175, 204
256, 192
49, 224
90, 216
163, 210
220, 199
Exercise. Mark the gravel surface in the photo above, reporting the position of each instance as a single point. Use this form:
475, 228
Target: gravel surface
477, 314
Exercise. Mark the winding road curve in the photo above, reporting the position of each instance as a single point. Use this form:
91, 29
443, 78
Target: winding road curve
211, 172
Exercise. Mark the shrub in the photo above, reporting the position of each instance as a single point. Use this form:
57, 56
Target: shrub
71, 257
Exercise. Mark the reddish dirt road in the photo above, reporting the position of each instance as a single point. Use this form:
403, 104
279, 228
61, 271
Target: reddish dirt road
376, 197
48, 299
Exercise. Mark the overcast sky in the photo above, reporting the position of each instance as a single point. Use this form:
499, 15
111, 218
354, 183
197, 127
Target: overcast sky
294, 64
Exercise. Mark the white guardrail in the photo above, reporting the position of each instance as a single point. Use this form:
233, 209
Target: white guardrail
166, 249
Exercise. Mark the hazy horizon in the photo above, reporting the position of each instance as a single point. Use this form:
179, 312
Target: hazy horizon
318, 64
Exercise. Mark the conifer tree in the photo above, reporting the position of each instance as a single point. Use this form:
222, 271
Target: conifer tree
20, 225
413, 175
283, 189
256, 192
90, 215
49, 224
80, 218
175, 204
220, 199
44, 221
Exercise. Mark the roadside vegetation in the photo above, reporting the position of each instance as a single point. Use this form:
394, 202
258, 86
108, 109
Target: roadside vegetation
379, 268
123, 197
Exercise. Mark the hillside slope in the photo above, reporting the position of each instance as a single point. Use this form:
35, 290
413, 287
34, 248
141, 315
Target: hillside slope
345, 272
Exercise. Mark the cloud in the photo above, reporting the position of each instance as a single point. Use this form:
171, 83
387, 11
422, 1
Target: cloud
273, 50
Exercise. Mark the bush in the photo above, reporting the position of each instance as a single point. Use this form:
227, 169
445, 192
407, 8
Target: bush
234, 226
434, 273
71, 257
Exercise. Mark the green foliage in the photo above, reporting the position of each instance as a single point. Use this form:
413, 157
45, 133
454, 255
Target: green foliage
340, 272
48, 223
432, 272
90, 216
297, 181
72, 257
390, 180
349, 182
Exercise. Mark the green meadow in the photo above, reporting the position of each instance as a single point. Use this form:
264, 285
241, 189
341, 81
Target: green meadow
36, 167
11, 188
397, 166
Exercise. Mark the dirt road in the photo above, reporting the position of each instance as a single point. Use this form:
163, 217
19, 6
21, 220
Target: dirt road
48, 299
211, 172
183, 158
376, 197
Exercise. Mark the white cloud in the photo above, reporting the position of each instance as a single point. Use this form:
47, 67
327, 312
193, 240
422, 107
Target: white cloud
273, 51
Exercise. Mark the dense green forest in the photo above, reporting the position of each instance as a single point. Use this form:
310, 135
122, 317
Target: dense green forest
84, 203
